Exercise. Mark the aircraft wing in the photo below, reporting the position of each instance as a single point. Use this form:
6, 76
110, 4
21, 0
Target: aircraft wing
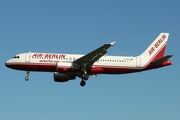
89, 59
161, 60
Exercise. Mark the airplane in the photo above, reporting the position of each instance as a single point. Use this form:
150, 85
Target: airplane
67, 67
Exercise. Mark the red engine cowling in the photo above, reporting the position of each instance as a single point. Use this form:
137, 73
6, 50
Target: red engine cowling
60, 77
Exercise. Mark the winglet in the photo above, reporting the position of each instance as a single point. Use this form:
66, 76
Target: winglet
112, 44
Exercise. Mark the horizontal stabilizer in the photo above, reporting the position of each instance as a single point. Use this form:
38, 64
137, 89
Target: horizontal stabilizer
161, 60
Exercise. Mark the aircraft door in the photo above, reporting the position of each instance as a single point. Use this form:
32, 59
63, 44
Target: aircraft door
138, 62
27, 57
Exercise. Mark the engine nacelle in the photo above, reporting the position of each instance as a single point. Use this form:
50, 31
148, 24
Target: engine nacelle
60, 77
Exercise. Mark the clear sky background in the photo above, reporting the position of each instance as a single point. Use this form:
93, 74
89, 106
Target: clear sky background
80, 26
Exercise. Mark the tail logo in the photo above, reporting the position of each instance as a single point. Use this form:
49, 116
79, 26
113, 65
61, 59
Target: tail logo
157, 44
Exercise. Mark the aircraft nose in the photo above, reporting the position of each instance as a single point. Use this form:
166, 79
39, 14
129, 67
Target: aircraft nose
7, 63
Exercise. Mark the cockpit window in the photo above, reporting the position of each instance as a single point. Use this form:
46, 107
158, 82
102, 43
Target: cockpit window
16, 57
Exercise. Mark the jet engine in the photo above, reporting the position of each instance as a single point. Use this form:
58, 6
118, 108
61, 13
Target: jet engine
60, 77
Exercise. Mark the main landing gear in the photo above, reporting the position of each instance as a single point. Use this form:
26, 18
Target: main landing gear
84, 77
83, 83
27, 76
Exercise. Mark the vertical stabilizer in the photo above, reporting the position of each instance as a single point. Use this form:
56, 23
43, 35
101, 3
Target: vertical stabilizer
157, 48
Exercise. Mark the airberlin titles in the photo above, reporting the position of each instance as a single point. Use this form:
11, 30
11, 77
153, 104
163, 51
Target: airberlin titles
48, 56
157, 44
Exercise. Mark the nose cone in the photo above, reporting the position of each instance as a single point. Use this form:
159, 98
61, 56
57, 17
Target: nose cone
7, 63
10, 64
13, 64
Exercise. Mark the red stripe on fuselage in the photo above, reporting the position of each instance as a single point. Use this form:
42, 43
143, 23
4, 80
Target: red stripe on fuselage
44, 67
51, 67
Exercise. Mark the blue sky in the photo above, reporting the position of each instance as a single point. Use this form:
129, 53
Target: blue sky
80, 26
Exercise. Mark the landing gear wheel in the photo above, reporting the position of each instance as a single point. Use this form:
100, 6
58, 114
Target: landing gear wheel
26, 78
85, 77
83, 83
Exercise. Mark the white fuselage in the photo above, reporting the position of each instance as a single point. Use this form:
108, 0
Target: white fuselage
52, 62
69, 66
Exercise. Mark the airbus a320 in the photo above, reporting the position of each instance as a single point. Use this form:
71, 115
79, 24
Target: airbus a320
67, 67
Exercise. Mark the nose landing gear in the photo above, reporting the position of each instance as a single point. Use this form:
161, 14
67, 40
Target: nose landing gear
27, 76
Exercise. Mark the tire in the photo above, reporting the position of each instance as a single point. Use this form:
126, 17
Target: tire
82, 83
85, 77
26, 78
